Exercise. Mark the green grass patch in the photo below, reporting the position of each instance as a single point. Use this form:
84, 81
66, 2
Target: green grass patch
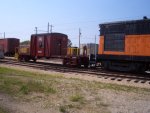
23, 84
63, 109
66, 108
110, 86
9, 85
76, 98
117, 87
2, 110
24, 89
15, 72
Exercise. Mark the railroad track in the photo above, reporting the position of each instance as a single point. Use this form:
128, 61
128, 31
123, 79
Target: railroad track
99, 73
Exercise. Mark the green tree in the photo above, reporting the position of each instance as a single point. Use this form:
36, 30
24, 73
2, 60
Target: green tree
69, 43
27, 42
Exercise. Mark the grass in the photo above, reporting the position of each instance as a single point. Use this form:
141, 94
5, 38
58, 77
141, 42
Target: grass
76, 98
12, 84
2, 110
75, 92
124, 88
110, 86
63, 109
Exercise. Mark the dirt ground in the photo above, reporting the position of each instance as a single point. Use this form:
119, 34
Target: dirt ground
117, 102
112, 101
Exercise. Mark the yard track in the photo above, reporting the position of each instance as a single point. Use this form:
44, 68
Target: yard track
98, 72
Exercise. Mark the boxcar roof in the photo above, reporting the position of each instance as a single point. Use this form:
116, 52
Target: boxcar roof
48, 34
8, 38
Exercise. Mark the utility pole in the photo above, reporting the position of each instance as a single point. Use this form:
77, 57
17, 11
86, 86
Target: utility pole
95, 48
48, 28
79, 36
51, 28
4, 35
36, 30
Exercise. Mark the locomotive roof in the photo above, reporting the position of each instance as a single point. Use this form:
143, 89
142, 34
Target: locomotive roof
125, 22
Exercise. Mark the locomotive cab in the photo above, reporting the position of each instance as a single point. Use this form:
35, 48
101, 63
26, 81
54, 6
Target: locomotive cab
124, 46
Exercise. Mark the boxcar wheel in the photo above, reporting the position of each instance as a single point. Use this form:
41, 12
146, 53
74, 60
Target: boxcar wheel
34, 59
26, 59
86, 66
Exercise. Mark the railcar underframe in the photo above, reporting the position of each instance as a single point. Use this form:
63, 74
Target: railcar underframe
124, 63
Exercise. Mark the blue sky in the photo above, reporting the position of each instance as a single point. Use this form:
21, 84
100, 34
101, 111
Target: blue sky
20, 17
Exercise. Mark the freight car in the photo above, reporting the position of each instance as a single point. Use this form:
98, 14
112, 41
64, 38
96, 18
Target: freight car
125, 45
48, 45
8, 45
75, 59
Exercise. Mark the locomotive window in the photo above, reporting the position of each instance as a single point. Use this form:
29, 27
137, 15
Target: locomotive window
114, 42
143, 28
146, 28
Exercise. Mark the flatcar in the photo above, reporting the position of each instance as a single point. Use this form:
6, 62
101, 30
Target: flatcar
8, 45
125, 45
47, 45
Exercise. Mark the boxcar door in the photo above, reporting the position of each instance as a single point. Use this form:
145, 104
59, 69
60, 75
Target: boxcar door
40, 46
58, 52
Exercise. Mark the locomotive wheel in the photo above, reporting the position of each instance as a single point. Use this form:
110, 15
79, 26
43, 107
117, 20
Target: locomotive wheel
142, 68
105, 64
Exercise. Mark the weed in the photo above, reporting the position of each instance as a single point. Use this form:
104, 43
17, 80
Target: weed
51, 90
76, 98
2, 110
63, 109
24, 89
35, 86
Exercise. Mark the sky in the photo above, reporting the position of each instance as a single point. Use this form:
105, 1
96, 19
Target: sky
20, 17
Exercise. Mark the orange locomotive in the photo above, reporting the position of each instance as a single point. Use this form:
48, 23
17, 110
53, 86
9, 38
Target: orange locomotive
125, 46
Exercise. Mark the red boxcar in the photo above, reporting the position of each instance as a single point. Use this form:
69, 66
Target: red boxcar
48, 45
8, 45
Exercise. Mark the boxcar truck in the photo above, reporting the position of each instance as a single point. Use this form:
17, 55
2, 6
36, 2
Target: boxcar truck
125, 45
1, 52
